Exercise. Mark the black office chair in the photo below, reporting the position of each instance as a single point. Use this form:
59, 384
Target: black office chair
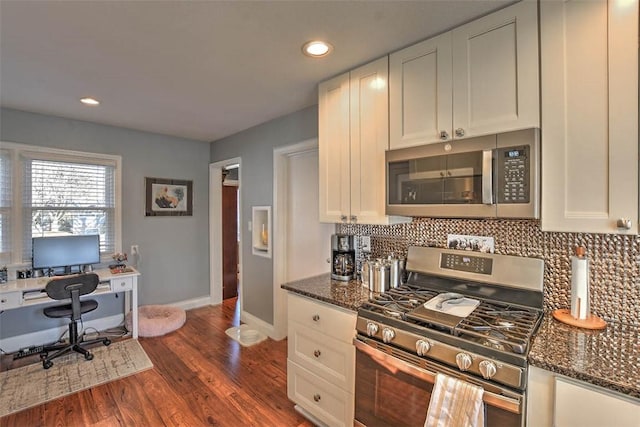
71, 287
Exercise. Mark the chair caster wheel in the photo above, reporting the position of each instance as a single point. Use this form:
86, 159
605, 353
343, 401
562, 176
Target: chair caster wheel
106, 341
47, 364
88, 356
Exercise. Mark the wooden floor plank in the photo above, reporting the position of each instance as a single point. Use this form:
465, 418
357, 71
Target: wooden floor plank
200, 377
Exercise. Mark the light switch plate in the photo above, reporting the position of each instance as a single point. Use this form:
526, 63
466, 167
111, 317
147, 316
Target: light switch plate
365, 243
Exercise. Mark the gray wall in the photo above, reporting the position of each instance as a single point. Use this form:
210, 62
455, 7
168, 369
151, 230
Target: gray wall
174, 250
255, 147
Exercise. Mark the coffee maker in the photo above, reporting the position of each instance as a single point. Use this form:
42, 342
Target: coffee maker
343, 257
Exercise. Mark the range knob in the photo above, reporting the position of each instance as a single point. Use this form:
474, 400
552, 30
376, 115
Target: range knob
463, 360
372, 329
488, 369
388, 335
422, 347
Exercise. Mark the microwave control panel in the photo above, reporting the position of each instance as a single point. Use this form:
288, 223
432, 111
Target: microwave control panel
513, 174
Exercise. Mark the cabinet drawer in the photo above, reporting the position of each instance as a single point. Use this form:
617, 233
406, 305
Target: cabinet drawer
329, 358
122, 284
320, 317
10, 300
328, 403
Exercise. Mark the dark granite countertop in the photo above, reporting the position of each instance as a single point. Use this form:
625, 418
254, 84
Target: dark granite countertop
609, 358
349, 295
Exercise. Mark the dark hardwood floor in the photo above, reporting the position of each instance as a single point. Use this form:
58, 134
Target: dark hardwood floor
200, 377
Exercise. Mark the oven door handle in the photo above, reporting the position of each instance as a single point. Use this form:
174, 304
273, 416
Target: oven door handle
489, 398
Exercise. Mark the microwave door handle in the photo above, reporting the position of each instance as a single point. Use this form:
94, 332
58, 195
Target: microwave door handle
487, 177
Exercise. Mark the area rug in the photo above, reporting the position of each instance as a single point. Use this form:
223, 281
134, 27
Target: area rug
32, 385
245, 335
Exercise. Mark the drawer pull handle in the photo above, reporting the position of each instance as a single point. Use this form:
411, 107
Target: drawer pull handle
316, 397
317, 353
316, 317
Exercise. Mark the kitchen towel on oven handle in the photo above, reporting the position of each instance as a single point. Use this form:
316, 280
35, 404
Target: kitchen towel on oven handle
455, 403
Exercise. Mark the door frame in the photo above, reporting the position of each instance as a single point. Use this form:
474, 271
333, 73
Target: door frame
280, 202
215, 230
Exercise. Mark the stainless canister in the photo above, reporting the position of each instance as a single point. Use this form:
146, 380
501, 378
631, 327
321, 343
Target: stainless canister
395, 272
365, 274
380, 277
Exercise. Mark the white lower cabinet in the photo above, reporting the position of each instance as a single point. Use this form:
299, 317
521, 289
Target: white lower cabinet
321, 360
558, 401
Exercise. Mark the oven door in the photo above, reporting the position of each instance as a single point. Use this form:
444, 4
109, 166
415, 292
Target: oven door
393, 388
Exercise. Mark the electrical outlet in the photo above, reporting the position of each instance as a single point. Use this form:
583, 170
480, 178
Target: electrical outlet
365, 242
134, 250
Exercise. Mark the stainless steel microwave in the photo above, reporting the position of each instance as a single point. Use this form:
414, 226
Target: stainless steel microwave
492, 176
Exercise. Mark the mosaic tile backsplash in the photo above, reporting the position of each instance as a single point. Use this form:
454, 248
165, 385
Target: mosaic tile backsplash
614, 259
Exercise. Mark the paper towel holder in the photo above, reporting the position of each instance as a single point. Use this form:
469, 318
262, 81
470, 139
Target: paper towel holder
565, 315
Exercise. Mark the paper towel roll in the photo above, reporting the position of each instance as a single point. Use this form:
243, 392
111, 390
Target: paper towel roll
580, 288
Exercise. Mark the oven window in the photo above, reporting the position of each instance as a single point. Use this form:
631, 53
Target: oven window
388, 397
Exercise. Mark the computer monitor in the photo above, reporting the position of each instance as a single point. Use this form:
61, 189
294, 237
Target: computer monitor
65, 252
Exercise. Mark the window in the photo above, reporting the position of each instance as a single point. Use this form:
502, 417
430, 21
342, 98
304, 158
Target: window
58, 193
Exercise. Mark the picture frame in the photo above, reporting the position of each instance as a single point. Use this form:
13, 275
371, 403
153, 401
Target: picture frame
168, 197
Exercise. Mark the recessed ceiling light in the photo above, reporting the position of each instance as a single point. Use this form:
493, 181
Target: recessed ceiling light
316, 48
90, 101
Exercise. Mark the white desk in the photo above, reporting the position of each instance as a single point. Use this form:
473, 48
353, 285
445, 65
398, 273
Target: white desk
16, 294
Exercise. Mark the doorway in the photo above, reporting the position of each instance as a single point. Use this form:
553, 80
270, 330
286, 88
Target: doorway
217, 251
301, 244
230, 232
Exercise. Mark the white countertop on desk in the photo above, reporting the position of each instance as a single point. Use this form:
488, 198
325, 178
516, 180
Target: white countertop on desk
36, 283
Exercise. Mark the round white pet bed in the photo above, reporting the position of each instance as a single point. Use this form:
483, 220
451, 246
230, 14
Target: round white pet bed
157, 320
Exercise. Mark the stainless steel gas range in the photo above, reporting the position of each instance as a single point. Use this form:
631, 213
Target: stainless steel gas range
464, 314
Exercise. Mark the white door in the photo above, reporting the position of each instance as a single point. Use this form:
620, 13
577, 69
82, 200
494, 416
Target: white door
307, 240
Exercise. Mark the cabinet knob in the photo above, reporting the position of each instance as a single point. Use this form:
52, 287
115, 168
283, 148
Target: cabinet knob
316, 397
624, 223
3, 301
316, 317
343, 218
317, 353
328, 260
354, 218
459, 132
444, 135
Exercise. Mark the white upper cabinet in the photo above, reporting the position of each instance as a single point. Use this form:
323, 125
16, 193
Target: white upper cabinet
420, 93
478, 79
589, 103
333, 149
353, 138
495, 72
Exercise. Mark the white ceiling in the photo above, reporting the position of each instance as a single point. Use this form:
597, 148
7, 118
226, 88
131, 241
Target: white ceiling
198, 69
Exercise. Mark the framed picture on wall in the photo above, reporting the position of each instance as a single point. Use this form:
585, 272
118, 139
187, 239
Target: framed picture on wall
168, 197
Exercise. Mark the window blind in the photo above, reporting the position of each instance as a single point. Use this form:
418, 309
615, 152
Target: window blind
68, 198
6, 195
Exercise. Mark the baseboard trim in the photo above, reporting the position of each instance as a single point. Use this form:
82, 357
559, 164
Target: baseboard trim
15, 343
192, 303
257, 324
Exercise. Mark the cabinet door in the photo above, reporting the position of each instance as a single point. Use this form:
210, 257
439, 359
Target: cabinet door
579, 405
420, 93
369, 141
589, 66
495, 72
333, 149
